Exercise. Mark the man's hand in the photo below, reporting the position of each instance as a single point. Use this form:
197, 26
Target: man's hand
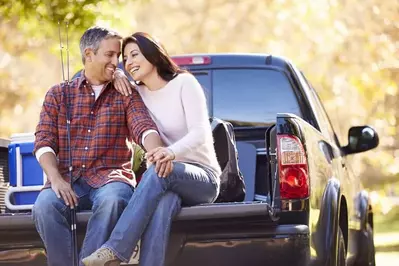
122, 83
63, 189
163, 159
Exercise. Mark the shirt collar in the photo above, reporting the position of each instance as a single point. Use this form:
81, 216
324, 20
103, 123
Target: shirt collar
83, 80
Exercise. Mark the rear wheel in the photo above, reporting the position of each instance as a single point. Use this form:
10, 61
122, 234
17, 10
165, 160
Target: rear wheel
366, 256
341, 256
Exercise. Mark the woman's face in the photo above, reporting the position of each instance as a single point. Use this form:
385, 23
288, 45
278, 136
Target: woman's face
136, 64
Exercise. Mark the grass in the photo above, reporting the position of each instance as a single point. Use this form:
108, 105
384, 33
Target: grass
386, 231
387, 223
387, 258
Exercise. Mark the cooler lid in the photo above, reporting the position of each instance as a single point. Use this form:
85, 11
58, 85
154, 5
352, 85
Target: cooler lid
4, 143
22, 137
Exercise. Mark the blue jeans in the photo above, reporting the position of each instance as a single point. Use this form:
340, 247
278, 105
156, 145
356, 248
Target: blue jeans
52, 218
152, 207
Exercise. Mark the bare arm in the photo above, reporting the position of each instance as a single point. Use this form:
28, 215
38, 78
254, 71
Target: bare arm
61, 188
152, 141
48, 162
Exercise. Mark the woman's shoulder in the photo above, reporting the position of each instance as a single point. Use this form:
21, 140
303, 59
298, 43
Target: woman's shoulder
186, 77
140, 88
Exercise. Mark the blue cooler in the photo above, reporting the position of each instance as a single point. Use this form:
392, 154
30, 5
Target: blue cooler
26, 176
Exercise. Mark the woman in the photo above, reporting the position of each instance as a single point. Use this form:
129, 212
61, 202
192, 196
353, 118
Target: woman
186, 171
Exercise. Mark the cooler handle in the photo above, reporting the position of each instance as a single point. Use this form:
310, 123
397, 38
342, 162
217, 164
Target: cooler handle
12, 190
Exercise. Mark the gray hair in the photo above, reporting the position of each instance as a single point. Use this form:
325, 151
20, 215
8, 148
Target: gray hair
93, 37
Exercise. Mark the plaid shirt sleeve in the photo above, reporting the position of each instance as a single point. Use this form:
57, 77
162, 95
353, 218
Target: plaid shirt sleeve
138, 118
46, 133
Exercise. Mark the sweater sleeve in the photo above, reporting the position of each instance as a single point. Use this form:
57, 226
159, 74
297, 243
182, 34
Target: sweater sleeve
196, 114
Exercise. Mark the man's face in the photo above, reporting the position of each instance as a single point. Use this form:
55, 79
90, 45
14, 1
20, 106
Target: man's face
103, 63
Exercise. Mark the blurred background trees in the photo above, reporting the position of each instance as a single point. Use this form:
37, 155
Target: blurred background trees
349, 51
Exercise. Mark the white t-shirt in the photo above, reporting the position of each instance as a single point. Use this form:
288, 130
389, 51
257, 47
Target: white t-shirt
180, 112
97, 90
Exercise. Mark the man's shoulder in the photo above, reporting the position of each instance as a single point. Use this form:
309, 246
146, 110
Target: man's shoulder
60, 87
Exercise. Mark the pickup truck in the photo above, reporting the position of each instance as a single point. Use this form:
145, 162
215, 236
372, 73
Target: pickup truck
303, 204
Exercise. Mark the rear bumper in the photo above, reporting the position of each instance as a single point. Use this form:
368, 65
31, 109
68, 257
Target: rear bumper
240, 238
279, 245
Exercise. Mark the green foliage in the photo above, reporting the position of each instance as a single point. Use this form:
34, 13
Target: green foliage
137, 156
346, 50
388, 222
29, 52
40, 13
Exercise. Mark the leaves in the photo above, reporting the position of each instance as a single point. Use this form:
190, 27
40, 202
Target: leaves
347, 50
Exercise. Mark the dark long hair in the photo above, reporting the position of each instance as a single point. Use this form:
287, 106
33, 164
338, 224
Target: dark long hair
155, 53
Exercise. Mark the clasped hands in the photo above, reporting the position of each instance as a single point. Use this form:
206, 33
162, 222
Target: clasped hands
163, 158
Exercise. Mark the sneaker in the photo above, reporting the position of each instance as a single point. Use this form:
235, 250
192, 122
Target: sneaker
102, 257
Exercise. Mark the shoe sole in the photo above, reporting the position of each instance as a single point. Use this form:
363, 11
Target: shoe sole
112, 263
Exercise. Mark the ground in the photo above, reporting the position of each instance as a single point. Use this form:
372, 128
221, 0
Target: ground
386, 238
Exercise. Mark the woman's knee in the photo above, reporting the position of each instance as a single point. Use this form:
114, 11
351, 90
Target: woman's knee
151, 176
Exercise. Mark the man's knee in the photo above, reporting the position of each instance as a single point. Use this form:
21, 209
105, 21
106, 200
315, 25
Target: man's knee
47, 203
113, 195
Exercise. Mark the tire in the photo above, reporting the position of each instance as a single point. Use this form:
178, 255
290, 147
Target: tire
366, 256
341, 251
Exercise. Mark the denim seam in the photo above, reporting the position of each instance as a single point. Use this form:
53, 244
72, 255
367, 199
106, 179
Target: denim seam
63, 210
116, 253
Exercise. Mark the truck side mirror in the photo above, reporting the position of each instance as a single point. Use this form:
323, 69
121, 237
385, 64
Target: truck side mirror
361, 139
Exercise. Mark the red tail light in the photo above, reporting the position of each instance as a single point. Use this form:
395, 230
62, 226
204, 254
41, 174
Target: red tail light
293, 168
192, 60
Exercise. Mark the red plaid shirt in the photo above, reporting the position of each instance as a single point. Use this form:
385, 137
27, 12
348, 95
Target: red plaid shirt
99, 129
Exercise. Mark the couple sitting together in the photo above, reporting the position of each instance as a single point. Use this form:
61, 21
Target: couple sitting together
164, 112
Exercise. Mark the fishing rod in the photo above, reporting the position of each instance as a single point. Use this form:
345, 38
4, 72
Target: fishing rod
75, 257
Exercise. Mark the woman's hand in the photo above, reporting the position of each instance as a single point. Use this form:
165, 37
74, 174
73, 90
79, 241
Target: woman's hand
161, 154
122, 83
163, 159
164, 169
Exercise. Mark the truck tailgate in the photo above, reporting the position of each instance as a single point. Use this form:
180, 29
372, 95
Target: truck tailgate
21, 224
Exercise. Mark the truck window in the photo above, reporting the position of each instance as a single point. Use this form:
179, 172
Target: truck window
205, 81
323, 119
252, 97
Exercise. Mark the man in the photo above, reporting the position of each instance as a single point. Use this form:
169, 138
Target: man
101, 120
